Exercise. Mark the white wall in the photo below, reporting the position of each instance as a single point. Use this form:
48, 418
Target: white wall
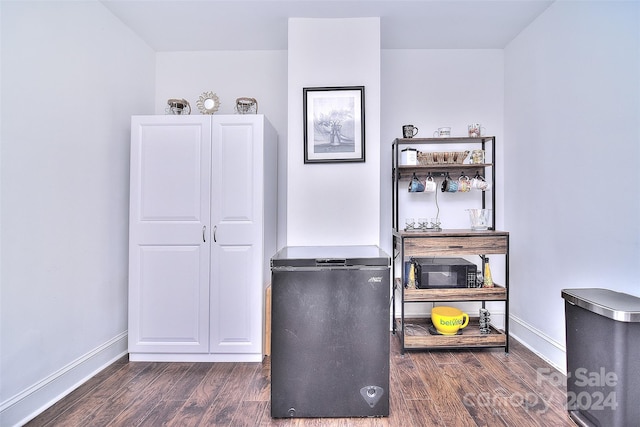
72, 75
333, 204
572, 115
434, 88
230, 75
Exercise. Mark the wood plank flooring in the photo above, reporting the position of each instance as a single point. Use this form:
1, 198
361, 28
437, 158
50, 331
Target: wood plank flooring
428, 388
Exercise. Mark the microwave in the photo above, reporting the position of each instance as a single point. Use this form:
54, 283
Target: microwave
444, 273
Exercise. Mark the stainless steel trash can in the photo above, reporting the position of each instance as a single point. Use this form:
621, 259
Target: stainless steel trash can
603, 363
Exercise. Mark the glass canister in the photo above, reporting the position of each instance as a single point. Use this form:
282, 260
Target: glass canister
477, 156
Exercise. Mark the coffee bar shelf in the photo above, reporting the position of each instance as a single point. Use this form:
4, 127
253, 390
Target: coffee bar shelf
486, 168
416, 332
449, 243
418, 336
497, 293
449, 140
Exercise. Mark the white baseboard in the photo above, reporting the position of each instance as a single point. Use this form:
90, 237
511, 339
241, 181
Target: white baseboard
191, 357
539, 343
32, 401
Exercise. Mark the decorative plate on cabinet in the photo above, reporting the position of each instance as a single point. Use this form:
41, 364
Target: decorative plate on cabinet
208, 103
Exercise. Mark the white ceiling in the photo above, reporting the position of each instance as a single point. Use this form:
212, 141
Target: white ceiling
182, 25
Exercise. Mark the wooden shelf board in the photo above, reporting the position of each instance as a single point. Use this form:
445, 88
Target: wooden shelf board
497, 293
450, 140
405, 172
451, 232
416, 335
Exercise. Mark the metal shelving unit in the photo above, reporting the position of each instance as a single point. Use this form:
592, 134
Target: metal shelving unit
414, 333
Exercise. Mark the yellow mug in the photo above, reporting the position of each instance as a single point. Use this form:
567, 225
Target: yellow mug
448, 320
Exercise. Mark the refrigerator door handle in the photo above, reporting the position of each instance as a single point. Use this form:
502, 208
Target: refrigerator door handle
330, 262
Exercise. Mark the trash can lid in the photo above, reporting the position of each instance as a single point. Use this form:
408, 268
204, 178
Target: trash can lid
614, 305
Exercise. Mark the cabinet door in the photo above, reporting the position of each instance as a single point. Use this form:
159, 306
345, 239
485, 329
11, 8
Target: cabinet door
236, 208
169, 221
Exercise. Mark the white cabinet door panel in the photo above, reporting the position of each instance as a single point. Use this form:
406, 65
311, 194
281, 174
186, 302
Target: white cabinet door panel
170, 176
168, 231
236, 313
172, 316
234, 170
237, 182
236, 252
235, 152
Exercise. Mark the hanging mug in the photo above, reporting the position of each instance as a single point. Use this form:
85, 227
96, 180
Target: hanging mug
464, 184
453, 186
449, 185
415, 186
430, 185
478, 183
445, 183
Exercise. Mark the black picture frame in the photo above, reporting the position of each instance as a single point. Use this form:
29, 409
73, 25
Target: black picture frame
334, 124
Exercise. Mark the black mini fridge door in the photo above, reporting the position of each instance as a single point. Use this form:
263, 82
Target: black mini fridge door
330, 338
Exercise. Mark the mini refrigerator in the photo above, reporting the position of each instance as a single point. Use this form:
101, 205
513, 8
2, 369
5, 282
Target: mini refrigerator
330, 332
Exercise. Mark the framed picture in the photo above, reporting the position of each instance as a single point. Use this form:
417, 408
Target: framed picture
333, 124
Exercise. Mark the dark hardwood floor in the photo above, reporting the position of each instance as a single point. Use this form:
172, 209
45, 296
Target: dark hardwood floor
428, 388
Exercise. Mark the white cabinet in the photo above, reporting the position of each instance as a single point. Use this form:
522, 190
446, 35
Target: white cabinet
202, 230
